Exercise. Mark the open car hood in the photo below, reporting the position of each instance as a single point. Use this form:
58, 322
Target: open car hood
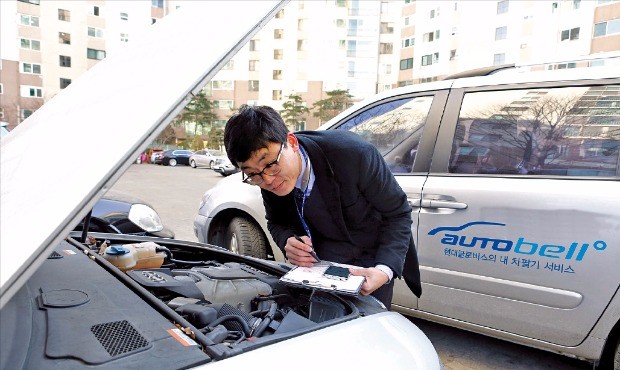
105, 119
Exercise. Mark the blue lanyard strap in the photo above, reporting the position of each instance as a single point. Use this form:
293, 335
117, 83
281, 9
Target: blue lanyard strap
304, 195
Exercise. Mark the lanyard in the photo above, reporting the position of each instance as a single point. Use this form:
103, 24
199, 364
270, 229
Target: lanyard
300, 212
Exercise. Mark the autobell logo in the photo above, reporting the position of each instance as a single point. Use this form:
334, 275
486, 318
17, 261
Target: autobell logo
575, 251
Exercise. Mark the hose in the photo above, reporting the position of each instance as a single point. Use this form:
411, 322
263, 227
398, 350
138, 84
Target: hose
246, 328
266, 320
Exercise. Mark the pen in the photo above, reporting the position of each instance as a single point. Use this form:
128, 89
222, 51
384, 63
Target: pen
312, 253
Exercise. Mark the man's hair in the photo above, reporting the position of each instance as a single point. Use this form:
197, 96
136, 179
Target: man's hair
251, 129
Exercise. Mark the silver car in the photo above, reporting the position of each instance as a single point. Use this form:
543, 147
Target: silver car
110, 301
205, 158
514, 179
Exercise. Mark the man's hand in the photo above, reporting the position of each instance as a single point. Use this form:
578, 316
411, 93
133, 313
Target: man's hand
298, 253
375, 278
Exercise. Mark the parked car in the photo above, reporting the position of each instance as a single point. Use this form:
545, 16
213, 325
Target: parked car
514, 179
114, 301
205, 158
224, 167
121, 213
172, 157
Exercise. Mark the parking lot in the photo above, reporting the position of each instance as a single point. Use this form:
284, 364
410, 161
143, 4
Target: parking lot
175, 192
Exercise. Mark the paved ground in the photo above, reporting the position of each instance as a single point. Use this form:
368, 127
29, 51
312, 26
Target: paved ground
175, 192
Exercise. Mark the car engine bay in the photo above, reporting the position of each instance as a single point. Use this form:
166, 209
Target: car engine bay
185, 302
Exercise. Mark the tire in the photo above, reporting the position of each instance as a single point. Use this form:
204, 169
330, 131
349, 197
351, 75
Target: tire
245, 237
211, 164
192, 163
172, 162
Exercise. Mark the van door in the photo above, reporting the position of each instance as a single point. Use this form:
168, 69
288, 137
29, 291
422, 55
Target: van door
520, 215
403, 128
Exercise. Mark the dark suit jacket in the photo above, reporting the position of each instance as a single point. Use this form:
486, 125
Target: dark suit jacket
366, 204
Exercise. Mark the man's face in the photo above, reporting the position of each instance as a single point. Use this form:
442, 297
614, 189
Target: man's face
289, 164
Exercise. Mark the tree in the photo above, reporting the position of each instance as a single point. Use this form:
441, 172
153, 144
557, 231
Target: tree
294, 112
336, 102
200, 111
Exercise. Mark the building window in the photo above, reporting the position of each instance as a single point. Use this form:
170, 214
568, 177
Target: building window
427, 59
576, 4
30, 68
29, 20
502, 7
431, 36
30, 44
229, 66
387, 27
277, 74
572, 34
64, 61
406, 64
607, 28
124, 37
554, 7
453, 54
434, 13
64, 38
223, 104
31, 91
222, 85
276, 95
95, 54
253, 65
124, 16
407, 20
278, 33
408, 42
157, 3
253, 85
94, 11
499, 59
340, 23
25, 113
278, 54
301, 45
351, 69
301, 24
1, 109
64, 82
386, 48
280, 13
95, 32
253, 45
501, 33
64, 15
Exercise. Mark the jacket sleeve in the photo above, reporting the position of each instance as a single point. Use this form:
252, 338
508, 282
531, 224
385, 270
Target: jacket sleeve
381, 190
281, 221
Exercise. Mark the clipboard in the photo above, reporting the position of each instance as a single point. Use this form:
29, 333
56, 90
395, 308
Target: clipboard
312, 278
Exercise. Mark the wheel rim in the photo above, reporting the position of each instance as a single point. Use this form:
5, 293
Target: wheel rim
172, 162
193, 164
233, 244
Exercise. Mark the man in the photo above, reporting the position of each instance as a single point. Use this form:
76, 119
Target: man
328, 192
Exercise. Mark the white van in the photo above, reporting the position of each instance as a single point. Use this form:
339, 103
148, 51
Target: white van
514, 179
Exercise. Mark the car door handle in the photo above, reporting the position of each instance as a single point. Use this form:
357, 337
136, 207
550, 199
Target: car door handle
438, 203
414, 202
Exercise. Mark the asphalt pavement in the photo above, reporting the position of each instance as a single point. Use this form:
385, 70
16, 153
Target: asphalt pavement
175, 192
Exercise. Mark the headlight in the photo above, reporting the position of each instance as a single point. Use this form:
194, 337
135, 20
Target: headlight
145, 217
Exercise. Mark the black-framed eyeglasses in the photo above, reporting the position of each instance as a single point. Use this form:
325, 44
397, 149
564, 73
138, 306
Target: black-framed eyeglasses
271, 169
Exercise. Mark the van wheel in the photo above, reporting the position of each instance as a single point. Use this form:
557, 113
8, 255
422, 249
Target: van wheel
172, 162
193, 163
245, 237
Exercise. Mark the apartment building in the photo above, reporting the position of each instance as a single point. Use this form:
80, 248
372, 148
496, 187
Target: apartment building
309, 48
440, 38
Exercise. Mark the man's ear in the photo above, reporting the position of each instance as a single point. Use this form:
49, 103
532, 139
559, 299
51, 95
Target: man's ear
291, 139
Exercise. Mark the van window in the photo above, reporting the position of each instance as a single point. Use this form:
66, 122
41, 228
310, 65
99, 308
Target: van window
568, 131
395, 128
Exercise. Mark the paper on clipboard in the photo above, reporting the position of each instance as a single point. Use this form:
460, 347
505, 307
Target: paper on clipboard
312, 278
